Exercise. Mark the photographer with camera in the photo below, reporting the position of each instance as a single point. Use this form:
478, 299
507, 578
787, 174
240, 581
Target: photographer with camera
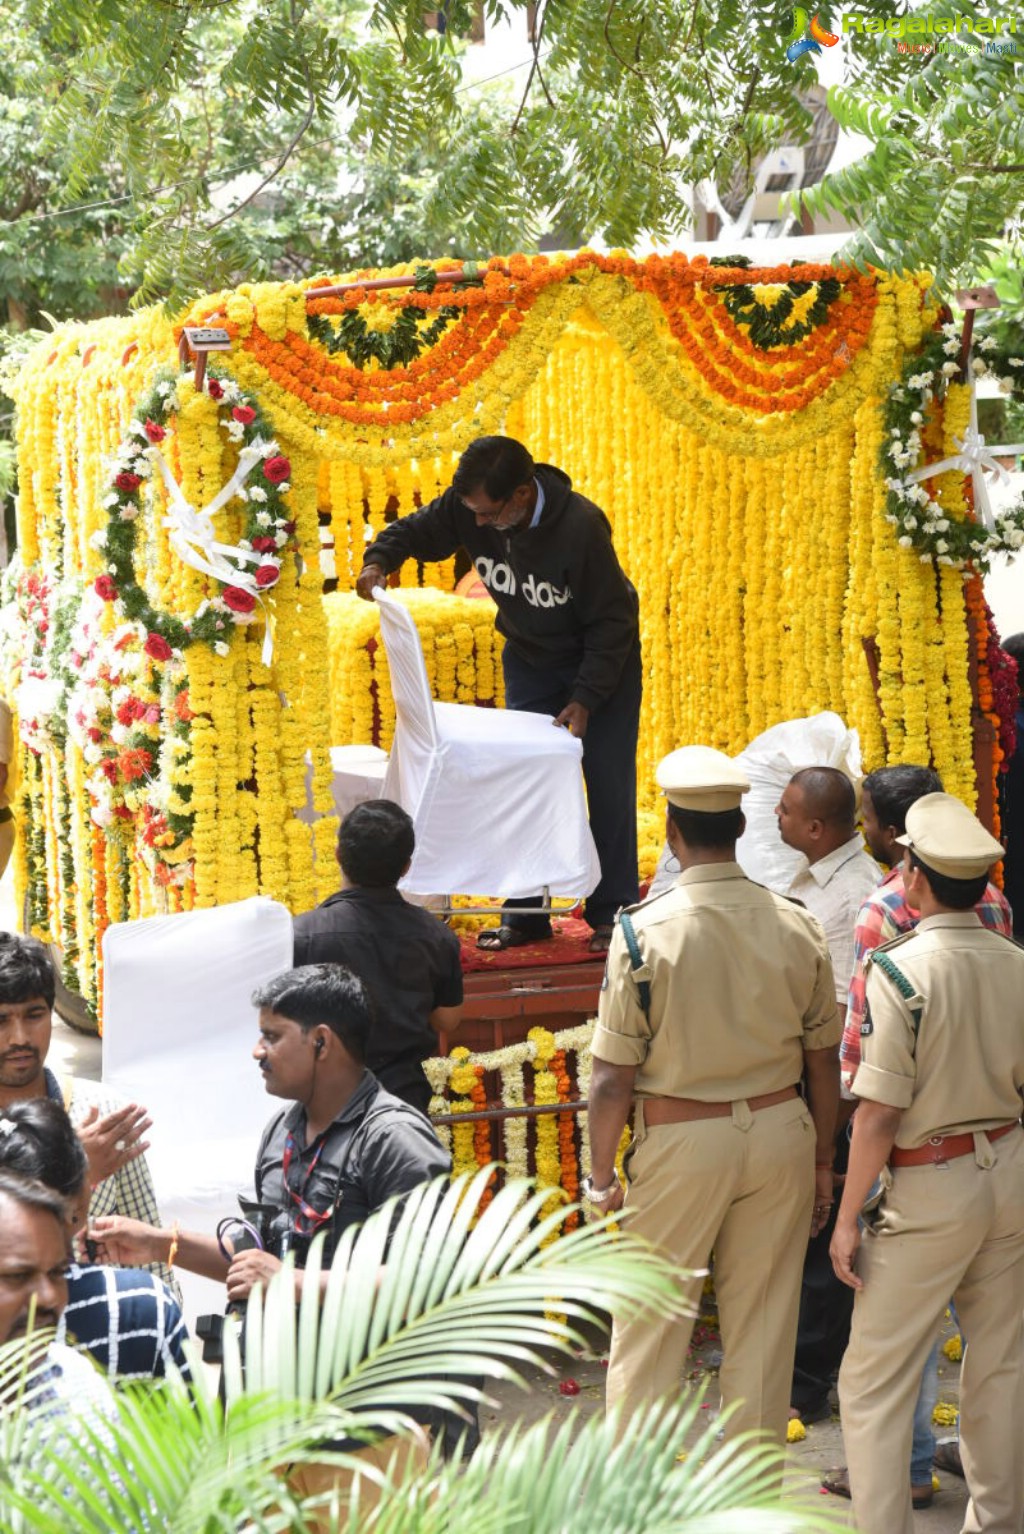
342, 1149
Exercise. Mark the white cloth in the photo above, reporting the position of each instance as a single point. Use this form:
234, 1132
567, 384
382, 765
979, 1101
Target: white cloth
179, 1033
496, 796
769, 761
833, 889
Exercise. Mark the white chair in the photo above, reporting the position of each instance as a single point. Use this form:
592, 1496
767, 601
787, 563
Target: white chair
496, 796
179, 1031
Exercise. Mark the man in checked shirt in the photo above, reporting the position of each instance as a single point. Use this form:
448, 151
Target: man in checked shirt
112, 1133
887, 795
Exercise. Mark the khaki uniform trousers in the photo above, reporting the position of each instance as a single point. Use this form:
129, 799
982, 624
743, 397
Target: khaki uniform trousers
956, 1231
743, 1186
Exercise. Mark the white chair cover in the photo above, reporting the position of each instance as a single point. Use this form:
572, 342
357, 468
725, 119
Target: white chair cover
496, 795
179, 1031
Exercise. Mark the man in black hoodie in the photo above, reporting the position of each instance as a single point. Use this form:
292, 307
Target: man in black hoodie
570, 621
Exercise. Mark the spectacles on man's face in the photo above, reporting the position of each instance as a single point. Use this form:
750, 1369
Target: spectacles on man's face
491, 514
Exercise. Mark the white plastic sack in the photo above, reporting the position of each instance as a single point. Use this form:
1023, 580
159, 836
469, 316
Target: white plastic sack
823, 740
179, 1031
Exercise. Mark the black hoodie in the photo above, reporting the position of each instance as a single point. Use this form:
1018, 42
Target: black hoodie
563, 600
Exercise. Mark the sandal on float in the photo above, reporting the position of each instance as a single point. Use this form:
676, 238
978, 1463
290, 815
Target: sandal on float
599, 939
499, 938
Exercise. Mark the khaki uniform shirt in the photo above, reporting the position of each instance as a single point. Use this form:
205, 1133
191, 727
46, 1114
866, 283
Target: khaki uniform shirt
741, 985
965, 1069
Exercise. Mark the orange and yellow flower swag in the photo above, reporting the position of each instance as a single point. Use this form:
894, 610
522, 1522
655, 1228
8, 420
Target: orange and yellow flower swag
728, 420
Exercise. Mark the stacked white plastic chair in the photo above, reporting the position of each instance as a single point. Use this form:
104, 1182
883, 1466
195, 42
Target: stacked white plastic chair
496, 795
179, 1031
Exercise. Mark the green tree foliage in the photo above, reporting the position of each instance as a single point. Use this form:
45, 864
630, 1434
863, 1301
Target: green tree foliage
942, 178
625, 104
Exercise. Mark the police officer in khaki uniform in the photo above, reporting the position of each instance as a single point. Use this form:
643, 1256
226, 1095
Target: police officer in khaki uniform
940, 1083
725, 1153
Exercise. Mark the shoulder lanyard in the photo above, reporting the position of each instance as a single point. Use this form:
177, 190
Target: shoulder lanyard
313, 1218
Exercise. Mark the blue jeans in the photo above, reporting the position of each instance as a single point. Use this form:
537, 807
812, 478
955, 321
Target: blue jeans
923, 1447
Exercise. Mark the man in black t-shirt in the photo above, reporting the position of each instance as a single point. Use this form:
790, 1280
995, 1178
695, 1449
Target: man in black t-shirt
408, 959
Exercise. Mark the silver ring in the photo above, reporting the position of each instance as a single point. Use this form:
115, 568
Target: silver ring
119, 1145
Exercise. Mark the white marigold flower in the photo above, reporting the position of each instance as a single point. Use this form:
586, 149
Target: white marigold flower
256, 494
950, 368
987, 344
263, 519
910, 522
942, 525
979, 367
917, 418
1017, 362
220, 648
951, 348
906, 543
941, 546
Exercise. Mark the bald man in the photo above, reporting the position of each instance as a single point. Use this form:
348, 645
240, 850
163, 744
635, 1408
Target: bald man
817, 817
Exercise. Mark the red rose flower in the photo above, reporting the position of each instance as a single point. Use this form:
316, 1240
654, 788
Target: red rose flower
214, 388
130, 710
569, 1388
109, 769
95, 735
104, 587
154, 431
244, 413
123, 812
238, 600
276, 469
157, 648
266, 575
264, 545
289, 527
127, 482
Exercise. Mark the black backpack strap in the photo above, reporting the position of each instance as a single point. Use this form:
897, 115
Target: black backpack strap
892, 971
638, 965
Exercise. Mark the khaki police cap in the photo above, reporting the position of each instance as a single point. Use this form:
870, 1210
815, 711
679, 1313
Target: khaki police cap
943, 833
698, 778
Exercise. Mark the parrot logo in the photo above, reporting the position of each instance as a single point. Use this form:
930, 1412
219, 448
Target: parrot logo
808, 36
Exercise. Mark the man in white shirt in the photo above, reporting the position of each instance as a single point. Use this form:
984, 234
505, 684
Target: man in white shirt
817, 816
33, 1293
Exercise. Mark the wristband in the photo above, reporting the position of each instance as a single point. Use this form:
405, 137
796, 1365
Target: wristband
172, 1250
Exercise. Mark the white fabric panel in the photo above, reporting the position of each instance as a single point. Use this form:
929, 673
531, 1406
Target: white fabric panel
823, 740
358, 774
179, 1031
496, 795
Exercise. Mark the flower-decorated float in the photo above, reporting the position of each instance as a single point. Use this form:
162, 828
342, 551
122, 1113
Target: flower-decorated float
181, 644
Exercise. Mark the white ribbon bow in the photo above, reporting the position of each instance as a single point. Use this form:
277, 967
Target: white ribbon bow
192, 536
973, 457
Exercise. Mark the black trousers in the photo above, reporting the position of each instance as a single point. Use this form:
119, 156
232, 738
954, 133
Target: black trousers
609, 770
826, 1310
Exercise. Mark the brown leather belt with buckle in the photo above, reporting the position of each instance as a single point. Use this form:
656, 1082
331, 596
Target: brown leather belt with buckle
945, 1147
680, 1110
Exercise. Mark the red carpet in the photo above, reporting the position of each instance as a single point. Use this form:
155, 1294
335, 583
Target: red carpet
567, 946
